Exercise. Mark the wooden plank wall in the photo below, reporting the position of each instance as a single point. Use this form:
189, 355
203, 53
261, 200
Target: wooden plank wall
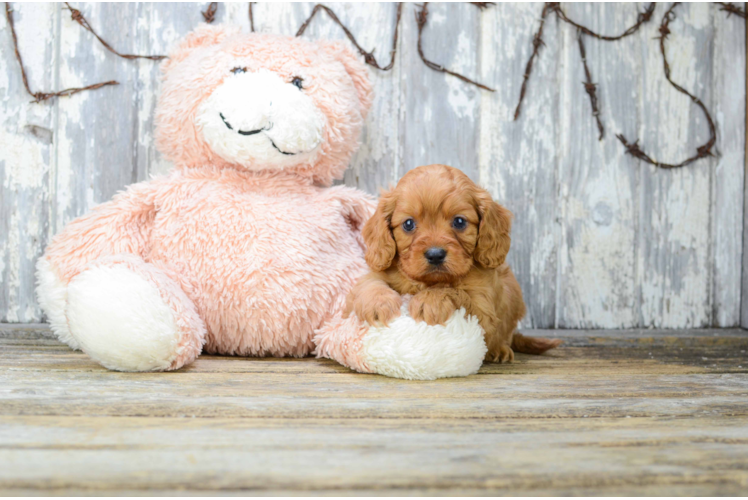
600, 239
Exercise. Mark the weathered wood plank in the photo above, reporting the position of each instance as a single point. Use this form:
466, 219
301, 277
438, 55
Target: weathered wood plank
674, 212
666, 355
26, 155
605, 423
599, 239
608, 376
744, 287
221, 454
729, 75
598, 185
95, 133
439, 114
709, 487
518, 159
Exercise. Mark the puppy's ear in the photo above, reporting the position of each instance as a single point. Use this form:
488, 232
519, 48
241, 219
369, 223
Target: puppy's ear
380, 245
493, 231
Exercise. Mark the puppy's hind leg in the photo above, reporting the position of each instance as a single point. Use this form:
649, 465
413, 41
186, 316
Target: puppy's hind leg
499, 349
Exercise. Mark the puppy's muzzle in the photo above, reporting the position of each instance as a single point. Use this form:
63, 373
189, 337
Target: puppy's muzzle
435, 255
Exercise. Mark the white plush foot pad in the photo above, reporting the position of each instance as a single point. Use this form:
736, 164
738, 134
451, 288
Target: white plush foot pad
414, 350
52, 295
120, 320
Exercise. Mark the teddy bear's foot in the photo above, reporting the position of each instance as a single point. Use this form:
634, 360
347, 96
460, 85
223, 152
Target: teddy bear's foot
131, 316
406, 348
52, 295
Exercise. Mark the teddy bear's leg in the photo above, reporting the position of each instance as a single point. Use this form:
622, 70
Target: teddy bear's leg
52, 294
341, 339
130, 315
406, 348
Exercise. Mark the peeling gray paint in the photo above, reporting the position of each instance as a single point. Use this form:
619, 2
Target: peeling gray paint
599, 240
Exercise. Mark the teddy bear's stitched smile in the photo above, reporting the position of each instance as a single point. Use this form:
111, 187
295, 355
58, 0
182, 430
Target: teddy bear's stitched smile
253, 132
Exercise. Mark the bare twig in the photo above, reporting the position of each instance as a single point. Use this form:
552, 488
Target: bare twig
537, 42
421, 19
641, 18
76, 16
589, 87
731, 9
702, 151
482, 5
42, 96
210, 13
368, 56
251, 18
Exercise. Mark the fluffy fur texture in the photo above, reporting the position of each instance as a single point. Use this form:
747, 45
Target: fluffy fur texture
406, 348
441, 238
241, 248
213, 61
414, 350
260, 116
131, 316
53, 296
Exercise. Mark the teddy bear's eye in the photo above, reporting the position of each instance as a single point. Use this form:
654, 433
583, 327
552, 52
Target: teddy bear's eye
297, 80
238, 70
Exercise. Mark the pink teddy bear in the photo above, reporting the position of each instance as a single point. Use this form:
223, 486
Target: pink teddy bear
243, 248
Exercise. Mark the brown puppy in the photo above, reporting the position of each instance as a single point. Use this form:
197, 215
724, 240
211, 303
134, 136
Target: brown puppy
442, 238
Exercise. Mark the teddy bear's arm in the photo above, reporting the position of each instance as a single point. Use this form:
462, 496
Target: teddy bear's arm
119, 226
356, 207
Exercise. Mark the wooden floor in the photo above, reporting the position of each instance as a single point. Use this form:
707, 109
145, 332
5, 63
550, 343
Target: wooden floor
611, 413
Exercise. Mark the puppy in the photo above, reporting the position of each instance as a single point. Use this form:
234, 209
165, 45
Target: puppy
441, 238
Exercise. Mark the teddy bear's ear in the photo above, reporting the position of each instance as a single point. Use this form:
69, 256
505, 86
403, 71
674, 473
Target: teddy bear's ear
203, 36
356, 69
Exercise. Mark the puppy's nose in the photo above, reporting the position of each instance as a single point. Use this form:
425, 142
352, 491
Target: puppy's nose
435, 255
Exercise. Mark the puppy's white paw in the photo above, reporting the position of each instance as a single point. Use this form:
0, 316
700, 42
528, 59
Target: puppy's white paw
414, 350
119, 318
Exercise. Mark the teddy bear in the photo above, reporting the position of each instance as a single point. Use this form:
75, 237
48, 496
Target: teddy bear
244, 248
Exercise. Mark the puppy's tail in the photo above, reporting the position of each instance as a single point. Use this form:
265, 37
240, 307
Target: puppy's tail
533, 345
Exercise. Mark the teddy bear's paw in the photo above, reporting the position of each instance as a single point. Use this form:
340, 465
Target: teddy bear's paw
130, 316
412, 349
52, 294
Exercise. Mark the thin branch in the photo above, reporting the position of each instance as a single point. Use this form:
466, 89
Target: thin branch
210, 13
76, 16
421, 20
368, 56
537, 42
43, 96
702, 151
731, 9
641, 18
251, 18
589, 87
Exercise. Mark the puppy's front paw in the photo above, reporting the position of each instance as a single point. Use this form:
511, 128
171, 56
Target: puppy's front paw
432, 307
381, 310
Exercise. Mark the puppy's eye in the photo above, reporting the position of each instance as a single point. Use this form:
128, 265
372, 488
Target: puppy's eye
238, 70
459, 223
298, 81
409, 225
